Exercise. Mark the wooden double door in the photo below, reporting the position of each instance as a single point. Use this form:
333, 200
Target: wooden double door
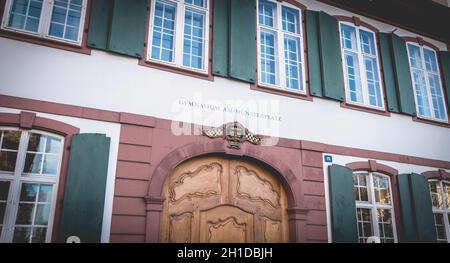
215, 199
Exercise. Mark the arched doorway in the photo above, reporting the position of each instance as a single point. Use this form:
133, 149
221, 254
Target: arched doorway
214, 198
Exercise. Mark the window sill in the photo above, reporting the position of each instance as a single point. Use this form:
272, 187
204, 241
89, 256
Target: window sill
347, 105
287, 93
177, 70
46, 41
432, 122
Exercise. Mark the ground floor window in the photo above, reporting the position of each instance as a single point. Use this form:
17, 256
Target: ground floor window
374, 207
440, 198
29, 171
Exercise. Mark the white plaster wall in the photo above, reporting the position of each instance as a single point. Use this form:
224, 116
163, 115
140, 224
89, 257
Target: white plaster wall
112, 82
112, 130
343, 160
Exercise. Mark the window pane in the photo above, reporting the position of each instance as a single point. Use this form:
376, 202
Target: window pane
36, 143
193, 39
4, 190
373, 81
348, 37
45, 193
2, 212
266, 13
66, 19
353, 77
25, 214
39, 234
22, 235
42, 213
268, 58
28, 192
33, 163
367, 42
8, 161
421, 93
360, 184
195, 2
414, 56
290, 20
163, 31
382, 189
25, 14
293, 64
11, 140
53, 145
430, 60
50, 164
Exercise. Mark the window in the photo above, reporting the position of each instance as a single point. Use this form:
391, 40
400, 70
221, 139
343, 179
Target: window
374, 209
427, 82
440, 198
280, 46
360, 63
61, 20
179, 33
29, 172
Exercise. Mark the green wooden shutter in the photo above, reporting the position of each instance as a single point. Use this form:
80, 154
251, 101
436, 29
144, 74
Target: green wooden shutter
388, 72
444, 57
342, 204
416, 211
84, 195
312, 41
402, 75
406, 209
220, 37
330, 57
99, 22
242, 59
128, 27
423, 209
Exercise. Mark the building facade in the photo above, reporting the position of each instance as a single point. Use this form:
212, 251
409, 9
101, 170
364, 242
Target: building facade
224, 121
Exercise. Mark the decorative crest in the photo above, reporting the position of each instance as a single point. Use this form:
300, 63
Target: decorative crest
234, 132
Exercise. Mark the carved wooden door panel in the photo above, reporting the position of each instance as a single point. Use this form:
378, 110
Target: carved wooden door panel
214, 199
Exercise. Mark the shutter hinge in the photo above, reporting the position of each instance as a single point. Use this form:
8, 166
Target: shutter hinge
148, 8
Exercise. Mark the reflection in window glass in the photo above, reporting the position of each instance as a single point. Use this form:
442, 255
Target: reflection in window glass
374, 207
30, 185
42, 155
33, 212
427, 82
9, 146
280, 46
25, 15
362, 75
440, 195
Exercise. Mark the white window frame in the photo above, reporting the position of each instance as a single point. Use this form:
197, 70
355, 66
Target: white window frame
428, 88
179, 35
279, 50
445, 210
44, 23
16, 179
373, 206
364, 83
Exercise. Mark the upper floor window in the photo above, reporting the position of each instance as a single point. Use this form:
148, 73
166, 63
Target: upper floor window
179, 33
280, 46
360, 62
29, 170
374, 207
427, 82
61, 20
440, 198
